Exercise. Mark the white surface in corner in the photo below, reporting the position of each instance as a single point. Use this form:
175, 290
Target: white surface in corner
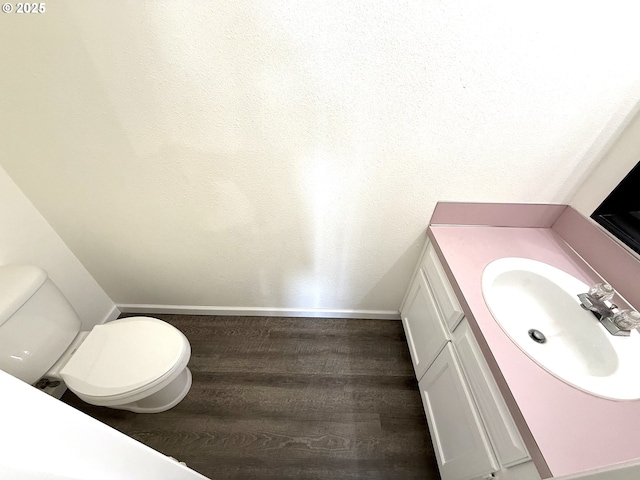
282, 155
43, 438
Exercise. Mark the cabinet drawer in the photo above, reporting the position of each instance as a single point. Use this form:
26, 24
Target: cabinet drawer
442, 291
426, 335
460, 442
508, 444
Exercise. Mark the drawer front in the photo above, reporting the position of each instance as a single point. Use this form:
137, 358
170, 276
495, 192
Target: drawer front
460, 442
442, 291
426, 334
508, 444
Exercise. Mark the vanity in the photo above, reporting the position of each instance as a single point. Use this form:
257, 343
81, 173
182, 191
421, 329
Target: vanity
494, 412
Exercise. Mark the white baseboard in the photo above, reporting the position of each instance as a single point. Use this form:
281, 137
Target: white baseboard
259, 311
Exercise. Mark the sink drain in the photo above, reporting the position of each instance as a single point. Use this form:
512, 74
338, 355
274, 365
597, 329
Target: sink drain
537, 336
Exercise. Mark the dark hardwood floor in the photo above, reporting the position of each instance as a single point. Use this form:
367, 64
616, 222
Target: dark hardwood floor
290, 398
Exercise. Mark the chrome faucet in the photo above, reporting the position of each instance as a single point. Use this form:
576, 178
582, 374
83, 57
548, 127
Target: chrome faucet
617, 322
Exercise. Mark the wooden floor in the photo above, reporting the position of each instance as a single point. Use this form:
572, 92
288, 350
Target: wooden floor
291, 398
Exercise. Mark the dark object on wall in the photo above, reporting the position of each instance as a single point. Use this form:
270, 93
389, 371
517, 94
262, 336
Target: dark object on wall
620, 212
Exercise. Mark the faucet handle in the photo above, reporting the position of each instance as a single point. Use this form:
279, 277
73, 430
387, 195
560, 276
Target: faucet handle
602, 291
627, 319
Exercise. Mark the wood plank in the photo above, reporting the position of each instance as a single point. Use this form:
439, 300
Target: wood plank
291, 398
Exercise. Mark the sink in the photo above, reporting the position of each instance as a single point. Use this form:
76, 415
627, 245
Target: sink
525, 295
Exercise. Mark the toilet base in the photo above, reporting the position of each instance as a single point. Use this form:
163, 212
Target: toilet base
164, 399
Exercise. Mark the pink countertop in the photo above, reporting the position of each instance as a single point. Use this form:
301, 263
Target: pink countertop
573, 431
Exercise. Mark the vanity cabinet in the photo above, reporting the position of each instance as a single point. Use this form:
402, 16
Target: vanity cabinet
448, 304
509, 446
462, 446
426, 334
473, 433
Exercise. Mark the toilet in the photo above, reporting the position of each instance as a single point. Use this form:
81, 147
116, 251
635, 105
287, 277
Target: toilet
137, 363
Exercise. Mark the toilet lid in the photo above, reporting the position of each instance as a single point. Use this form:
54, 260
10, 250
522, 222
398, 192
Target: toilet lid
125, 355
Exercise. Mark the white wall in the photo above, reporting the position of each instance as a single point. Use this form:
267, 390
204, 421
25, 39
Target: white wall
288, 154
43, 438
27, 238
620, 155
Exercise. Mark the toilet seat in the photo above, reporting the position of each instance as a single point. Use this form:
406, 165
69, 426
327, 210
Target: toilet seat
125, 360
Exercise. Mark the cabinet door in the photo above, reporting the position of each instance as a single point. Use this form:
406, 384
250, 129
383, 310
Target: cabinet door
442, 291
506, 439
459, 439
426, 334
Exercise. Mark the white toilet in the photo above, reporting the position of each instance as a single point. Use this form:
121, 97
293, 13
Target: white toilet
137, 363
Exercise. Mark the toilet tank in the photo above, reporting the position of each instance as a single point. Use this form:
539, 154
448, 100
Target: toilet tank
37, 323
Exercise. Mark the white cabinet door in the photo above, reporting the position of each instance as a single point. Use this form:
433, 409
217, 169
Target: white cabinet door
442, 291
461, 444
508, 444
425, 331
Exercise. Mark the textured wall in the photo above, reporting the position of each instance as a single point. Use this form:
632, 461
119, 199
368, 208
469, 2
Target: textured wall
289, 154
27, 238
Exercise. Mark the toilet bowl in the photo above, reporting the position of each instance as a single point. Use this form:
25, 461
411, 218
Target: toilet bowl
137, 363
